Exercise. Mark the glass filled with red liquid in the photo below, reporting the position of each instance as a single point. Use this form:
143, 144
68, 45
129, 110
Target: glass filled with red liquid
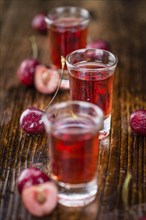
91, 76
67, 28
72, 128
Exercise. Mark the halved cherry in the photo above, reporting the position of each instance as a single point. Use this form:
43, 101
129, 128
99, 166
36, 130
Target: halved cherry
46, 79
41, 199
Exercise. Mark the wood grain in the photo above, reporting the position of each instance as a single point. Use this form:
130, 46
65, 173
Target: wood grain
123, 24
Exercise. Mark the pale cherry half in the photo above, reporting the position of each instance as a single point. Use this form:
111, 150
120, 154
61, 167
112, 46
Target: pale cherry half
40, 199
46, 79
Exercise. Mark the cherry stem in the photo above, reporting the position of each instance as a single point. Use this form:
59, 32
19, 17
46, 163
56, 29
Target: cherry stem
125, 194
61, 76
34, 47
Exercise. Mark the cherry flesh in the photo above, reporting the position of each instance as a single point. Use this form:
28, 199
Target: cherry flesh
46, 79
40, 199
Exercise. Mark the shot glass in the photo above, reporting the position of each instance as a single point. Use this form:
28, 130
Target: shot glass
67, 28
91, 76
72, 128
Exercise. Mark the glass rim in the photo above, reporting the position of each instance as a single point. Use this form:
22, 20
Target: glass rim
85, 12
98, 119
113, 64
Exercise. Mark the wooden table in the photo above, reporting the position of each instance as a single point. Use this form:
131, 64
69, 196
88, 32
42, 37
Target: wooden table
123, 24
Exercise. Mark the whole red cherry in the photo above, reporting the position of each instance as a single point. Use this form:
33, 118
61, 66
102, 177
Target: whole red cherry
99, 44
31, 176
39, 24
138, 121
26, 71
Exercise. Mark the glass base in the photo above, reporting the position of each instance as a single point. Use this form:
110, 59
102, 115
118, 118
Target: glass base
103, 134
74, 195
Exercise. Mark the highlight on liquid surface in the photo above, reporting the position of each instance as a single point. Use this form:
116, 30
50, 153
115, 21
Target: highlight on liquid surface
92, 86
66, 35
74, 151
